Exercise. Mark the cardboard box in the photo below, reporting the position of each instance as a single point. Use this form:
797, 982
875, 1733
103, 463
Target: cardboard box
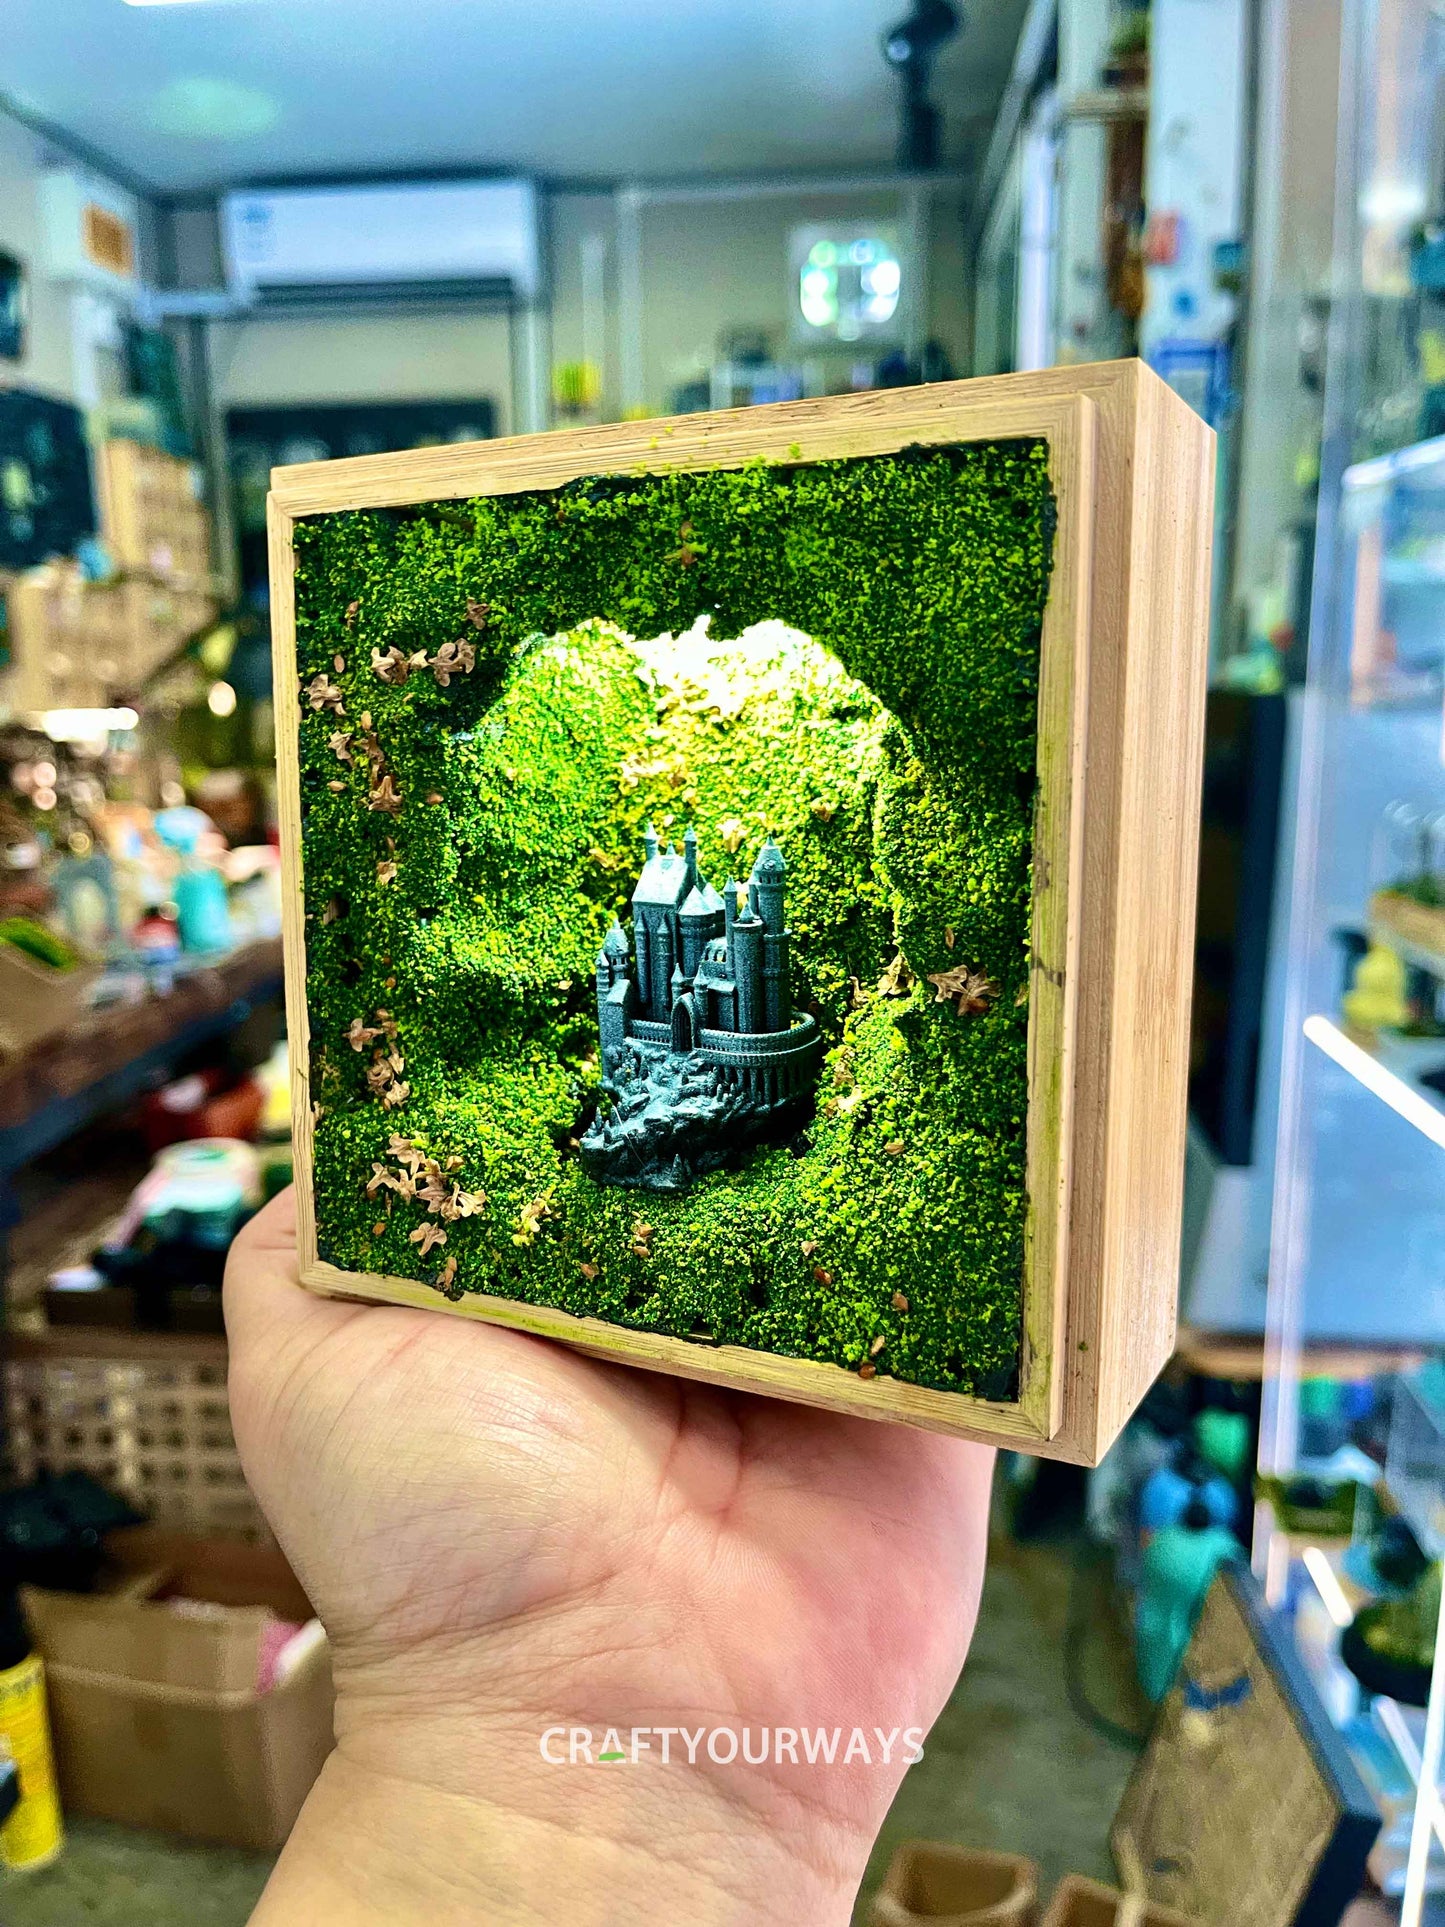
1087, 1903
158, 1717
151, 513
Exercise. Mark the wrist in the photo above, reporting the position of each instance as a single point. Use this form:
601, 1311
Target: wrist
413, 1820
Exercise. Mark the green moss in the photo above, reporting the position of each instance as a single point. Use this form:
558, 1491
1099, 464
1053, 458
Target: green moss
894, 759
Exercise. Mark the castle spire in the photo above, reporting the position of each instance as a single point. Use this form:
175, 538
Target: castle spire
689, 849
614, 945
649, 841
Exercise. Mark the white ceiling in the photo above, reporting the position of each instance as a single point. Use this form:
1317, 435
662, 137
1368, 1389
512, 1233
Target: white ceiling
212, 92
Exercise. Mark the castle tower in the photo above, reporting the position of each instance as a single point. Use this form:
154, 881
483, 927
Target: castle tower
767, 879
766, 890
615, 995
664, 962
745, 958
613, 959
649, 842
689, 851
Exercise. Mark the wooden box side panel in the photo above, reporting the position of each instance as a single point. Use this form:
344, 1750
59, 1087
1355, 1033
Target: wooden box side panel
1072, 1407
1160, 720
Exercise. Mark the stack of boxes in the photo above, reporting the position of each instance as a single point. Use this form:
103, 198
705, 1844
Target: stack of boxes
76, 644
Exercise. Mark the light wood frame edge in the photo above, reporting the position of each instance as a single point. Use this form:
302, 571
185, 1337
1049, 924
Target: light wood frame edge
1066, 423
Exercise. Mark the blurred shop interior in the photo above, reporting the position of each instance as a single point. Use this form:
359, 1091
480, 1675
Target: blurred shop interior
241, 233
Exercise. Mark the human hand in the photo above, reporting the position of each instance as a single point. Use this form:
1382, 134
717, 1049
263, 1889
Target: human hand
505, 1537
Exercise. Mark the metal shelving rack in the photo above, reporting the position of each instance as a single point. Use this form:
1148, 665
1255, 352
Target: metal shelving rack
1359, 1206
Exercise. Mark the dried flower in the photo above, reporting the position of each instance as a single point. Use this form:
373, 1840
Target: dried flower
338, 663
447, 1273
731, 833
898, 1301
384, 795
532, 1217
894, 1147
950, 936
378, 1228
353, 609
396, 1095
589, 1271
878, 1343
339, 743
390, 665
386, 870
808, 1247
823, 809
433, 796
323, 694
336, 784
822, 1277
360, 1035
867, 1370
477, 614
332, 911
898, 979
969, 991
425, 1236
453, 659
688, 550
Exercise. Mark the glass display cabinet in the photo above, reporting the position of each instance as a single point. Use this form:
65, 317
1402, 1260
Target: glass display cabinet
1350, 1532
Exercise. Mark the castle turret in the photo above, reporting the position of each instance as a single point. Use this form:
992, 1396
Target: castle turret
767, 878
615, 996
746, 969
689, 852
649, 842
766, 890
664, 962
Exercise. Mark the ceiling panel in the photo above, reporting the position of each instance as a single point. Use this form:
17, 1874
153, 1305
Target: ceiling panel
214, 92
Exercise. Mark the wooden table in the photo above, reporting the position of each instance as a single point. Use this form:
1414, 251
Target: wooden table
112, 1055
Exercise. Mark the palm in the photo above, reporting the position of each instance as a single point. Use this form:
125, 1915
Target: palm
628, 1550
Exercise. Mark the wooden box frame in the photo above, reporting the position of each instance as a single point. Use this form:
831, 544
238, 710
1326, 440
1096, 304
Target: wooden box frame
1121, 715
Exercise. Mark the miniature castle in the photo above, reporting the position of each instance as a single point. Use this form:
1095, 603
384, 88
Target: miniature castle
704, 993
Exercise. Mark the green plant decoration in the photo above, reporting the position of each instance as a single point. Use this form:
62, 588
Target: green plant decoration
482, 744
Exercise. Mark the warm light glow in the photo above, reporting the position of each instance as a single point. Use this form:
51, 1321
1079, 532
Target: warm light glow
1402, 1099
85, 725
221, 700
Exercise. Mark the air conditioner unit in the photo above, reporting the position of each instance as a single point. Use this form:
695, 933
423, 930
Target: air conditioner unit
438, 240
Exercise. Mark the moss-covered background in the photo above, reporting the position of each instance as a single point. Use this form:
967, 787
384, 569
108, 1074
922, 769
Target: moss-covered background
472, 818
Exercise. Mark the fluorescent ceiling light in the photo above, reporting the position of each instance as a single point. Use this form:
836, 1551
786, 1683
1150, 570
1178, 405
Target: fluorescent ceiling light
85, 725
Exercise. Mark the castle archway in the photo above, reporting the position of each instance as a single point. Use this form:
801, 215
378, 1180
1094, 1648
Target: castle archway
684, 1024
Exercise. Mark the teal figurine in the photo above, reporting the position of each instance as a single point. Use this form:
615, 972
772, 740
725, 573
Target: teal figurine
703, 1053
